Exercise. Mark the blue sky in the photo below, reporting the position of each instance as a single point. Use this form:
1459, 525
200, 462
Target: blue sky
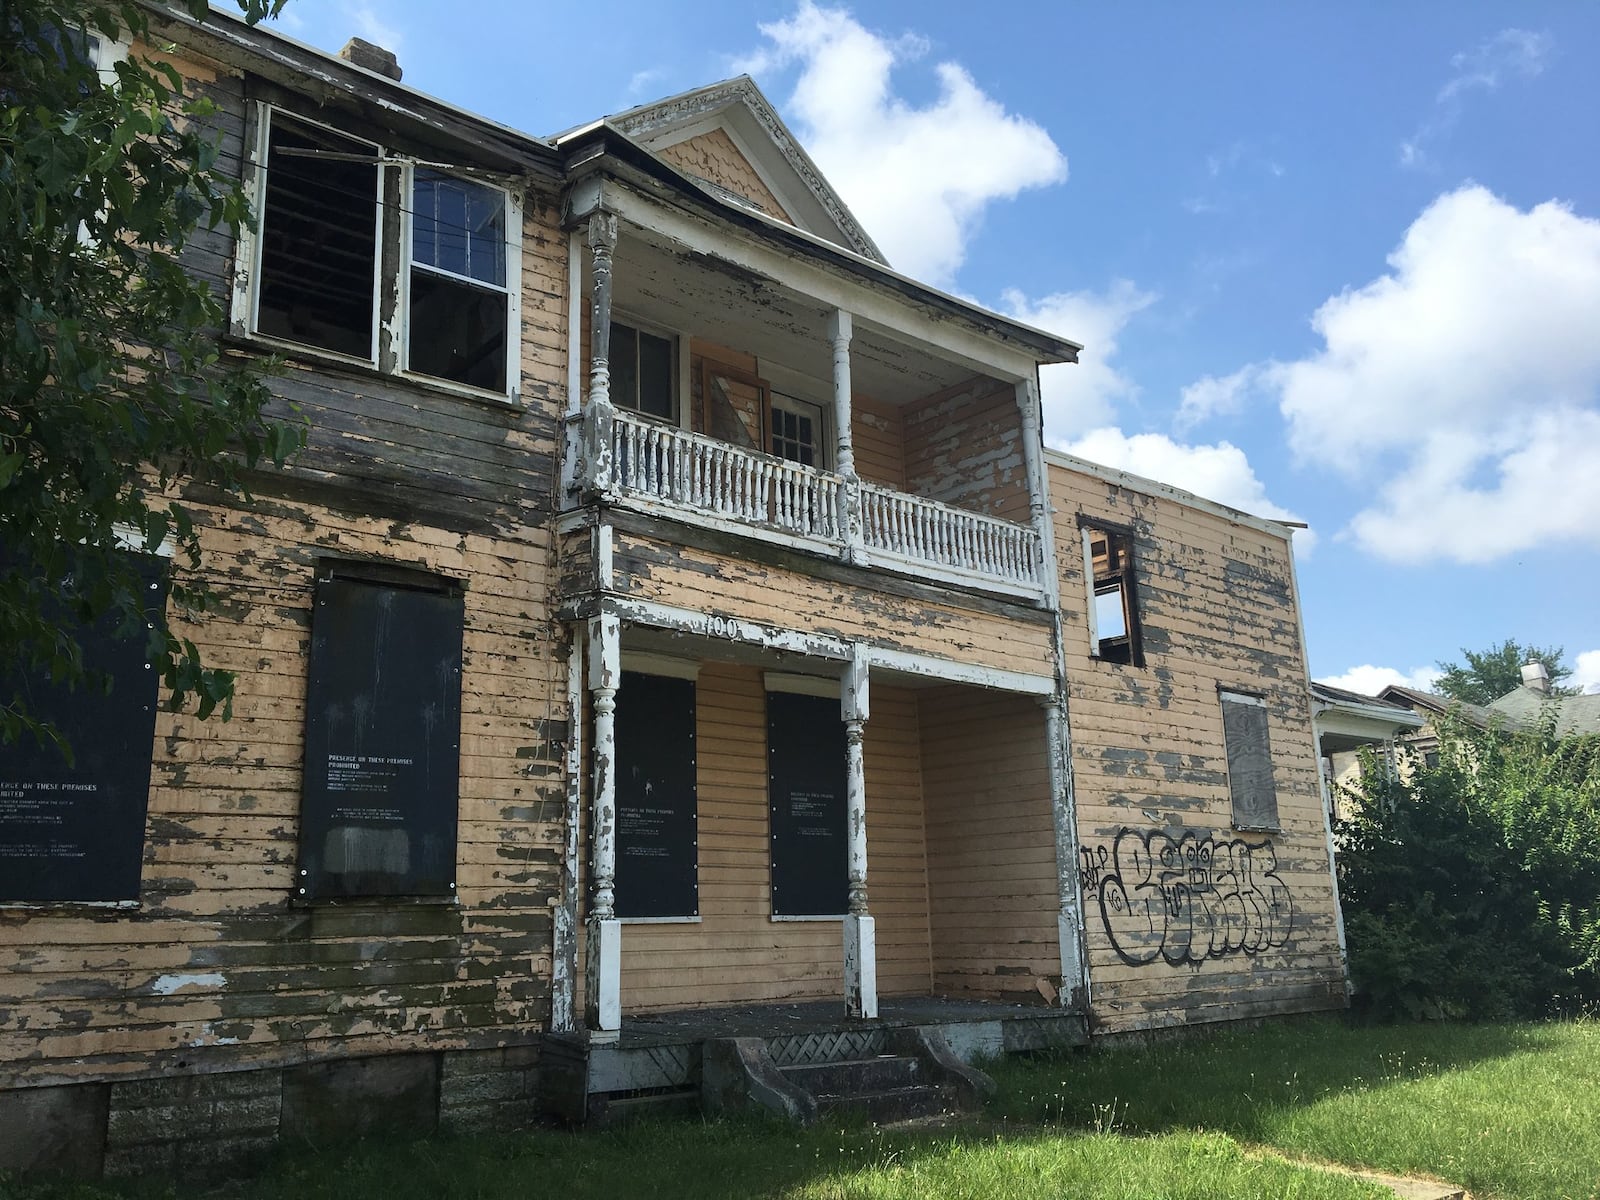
1333, 262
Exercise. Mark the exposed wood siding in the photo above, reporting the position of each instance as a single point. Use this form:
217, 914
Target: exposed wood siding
218, 967
1150, 766
712, 155
964, 446
878, 433
737, 953
991, 845
720, 584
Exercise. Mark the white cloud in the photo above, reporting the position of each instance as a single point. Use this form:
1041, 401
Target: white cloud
1215, 397
1082, 396
1219, 472
1370, 680
1463, 386
918, 178
1586, 671
1511, 53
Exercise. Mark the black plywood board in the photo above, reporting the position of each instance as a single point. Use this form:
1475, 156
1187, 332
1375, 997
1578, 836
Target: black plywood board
806, 762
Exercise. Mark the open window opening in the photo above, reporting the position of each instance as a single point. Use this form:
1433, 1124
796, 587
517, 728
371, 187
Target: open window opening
1112, 594
326, 256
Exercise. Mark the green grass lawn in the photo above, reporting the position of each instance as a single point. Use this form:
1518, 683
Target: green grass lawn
1508, 1111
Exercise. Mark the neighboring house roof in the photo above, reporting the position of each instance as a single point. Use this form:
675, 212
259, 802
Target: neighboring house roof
737, 115
1473, 714
1349, 720
1574, 714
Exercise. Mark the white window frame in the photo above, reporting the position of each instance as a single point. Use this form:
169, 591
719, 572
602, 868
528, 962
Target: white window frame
682, 383
392, 265
785, 383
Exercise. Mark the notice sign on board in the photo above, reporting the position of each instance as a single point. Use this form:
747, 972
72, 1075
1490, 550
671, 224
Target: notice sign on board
76, 832
806, 753
383, 738
657, 852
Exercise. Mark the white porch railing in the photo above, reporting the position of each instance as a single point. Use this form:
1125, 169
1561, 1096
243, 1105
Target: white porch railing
926, 531
712, 478
663, 463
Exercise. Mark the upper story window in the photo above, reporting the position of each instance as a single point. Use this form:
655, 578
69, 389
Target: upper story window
436, 297
644, 372
797, 427
1112, 594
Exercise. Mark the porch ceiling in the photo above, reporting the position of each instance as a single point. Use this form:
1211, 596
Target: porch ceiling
702, 296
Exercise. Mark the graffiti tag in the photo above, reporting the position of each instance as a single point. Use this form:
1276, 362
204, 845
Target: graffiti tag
1187, 897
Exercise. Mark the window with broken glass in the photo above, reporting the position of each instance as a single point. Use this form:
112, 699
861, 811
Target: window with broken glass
325, 257
1114, 633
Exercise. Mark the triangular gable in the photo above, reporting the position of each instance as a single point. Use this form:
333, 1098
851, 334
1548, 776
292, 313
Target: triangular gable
731, 137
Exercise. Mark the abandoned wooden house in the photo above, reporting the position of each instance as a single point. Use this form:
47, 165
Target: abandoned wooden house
675, 663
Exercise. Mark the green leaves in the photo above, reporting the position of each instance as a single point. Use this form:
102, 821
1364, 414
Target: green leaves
111, 386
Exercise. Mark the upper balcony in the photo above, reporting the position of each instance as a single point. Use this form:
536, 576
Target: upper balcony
764, 399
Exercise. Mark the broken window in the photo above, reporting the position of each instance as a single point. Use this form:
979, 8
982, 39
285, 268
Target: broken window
446, 258
1112, 596
1249, 748
644, 372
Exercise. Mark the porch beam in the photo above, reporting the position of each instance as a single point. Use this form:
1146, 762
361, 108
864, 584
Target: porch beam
860, 940
602, 1000
597, 466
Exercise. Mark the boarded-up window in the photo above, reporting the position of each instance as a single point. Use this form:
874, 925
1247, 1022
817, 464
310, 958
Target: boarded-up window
75, 832
1113, 602
806, 754
1244, 727
383, 735
657, 850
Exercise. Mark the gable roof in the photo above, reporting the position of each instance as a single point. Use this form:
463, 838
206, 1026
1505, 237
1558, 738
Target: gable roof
1474, 714
738, 109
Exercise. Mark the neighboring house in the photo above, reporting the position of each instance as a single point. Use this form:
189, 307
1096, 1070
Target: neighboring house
1348, 723
1424, 743
1531, 704
674, 611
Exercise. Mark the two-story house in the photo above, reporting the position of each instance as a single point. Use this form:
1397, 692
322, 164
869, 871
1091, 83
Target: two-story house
674, 633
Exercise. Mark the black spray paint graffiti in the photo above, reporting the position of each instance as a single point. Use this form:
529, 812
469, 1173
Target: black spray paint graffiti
1187, 898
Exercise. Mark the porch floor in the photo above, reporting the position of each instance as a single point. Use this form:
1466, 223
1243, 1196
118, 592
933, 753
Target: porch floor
787, 1019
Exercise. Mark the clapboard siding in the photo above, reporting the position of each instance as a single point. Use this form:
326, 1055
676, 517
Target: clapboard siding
737, 953
964, 446
218, 968
991, 846
1217, 608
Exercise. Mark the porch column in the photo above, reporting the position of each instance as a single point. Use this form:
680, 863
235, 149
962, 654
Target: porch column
1069, 898
1029, 404
844, 459
597, 465
860, 941
602, 1001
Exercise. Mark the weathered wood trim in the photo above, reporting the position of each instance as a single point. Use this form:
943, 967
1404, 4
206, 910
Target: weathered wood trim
994, 678
702, 537
1165, 491
564, 949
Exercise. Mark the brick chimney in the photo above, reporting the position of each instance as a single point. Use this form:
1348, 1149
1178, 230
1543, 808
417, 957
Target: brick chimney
363, 53
1536, 677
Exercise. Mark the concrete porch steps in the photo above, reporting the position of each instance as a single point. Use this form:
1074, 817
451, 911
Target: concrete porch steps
883, 1089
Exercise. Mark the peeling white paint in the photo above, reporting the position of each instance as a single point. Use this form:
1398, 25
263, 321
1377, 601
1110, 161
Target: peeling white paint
167, 985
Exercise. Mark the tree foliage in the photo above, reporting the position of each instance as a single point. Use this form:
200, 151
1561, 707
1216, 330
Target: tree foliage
1490, 674
1472, 888
112, 387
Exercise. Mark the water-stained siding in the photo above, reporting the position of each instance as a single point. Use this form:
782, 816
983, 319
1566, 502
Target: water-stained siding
1189, 918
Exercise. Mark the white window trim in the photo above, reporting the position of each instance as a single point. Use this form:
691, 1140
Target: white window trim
797, 386
682, 379
244, 309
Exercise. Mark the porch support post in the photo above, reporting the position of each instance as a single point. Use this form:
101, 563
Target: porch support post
602, 1000
597, 464
844, 459
1069, 899
1031, 408
860, 939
